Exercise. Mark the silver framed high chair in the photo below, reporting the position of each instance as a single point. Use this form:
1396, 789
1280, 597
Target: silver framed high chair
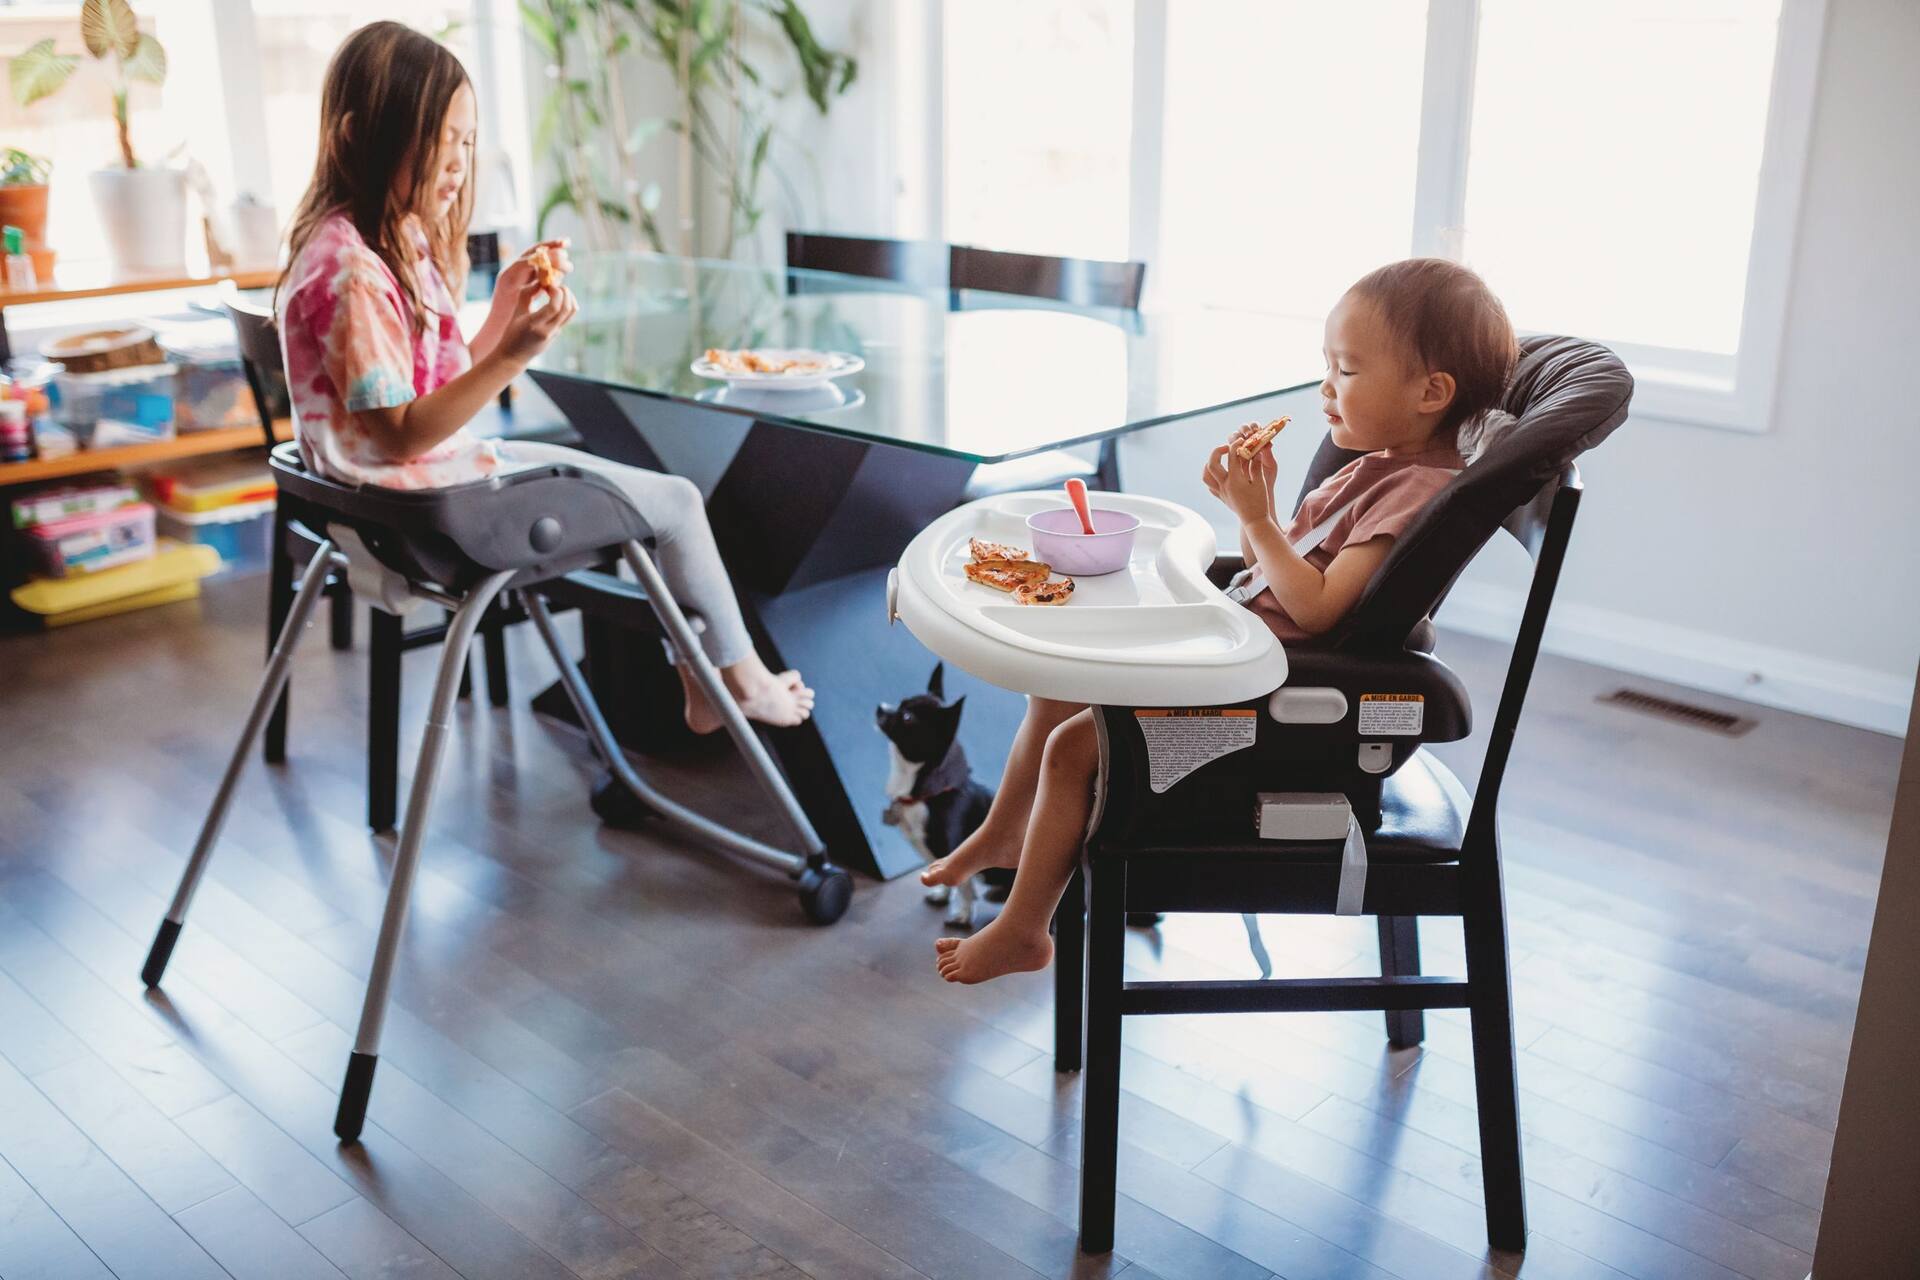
460, 548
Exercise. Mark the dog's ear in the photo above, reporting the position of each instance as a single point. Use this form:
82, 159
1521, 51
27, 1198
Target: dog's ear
936, 682
955, 705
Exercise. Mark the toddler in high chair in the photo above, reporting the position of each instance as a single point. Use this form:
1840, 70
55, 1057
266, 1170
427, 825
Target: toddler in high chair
1414, 351
382, 382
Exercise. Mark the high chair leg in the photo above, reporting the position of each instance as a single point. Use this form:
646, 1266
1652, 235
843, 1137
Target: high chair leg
1495, 1079
1100, 1075
1069, 974
358, 1085
272, 681
1400, 957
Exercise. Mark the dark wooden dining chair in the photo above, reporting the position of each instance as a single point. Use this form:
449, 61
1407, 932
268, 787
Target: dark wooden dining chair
922, 263
1079, 282
294, 544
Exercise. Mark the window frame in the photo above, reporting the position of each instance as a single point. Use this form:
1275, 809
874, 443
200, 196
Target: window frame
1733, 392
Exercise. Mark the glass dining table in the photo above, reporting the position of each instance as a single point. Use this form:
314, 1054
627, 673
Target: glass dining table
813, 493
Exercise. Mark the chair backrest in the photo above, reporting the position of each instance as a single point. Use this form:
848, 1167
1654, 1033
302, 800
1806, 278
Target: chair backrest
1083, 282
1566, 395
915, 262
259, 341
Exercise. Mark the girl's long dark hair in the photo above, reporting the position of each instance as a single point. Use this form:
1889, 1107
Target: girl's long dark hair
382, 110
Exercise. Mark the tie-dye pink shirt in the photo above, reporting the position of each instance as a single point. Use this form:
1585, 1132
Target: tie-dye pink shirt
348, 336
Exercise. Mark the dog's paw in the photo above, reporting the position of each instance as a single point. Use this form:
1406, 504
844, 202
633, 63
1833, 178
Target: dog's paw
939, 894
960, 915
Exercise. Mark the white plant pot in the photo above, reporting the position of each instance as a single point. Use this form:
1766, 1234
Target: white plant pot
144, 213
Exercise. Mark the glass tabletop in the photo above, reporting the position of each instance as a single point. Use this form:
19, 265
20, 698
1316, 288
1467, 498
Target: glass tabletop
976, 375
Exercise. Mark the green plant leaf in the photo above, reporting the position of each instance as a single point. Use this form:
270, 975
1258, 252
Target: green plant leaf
644, 132
560, 197
149, 61
37, 71
109, 29
539, 28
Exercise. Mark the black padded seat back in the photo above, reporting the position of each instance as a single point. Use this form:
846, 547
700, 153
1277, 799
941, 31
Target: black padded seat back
1080, 282
539, 524
1566, 395
916, 262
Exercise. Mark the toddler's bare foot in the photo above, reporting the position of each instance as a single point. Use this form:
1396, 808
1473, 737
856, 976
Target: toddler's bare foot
990, 953
780, 700
975, 854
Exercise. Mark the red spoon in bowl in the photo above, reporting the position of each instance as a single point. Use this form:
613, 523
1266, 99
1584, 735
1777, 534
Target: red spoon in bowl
1077, 494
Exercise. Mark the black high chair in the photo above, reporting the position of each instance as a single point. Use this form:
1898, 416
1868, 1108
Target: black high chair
460, 548
1429, 849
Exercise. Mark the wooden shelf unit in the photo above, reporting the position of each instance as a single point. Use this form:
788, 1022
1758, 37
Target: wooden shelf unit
90, 285
192, 444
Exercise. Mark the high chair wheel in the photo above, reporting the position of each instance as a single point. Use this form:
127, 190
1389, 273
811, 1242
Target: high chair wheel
617, 806
825, 893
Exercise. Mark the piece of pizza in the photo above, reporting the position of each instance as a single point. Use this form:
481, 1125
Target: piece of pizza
545, 273
1260, 437
1054, 591
980, 549
1007, 575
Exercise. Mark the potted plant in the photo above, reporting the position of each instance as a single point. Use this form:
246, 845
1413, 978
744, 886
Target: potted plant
143, 209
23, 203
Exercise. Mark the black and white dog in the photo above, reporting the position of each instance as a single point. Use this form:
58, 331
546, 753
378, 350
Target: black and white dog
931, 793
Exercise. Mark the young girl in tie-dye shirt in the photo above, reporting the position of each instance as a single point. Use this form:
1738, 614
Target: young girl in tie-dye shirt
383, 386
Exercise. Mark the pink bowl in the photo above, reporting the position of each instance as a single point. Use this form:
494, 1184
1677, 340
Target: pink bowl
1057, 539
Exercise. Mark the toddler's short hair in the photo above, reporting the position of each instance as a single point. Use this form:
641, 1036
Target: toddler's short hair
1453, 323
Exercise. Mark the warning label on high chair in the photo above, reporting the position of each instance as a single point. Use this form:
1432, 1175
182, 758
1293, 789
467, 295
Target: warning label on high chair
1386, 715
1180, 740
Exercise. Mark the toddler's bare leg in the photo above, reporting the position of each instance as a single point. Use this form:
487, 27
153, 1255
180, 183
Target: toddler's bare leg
1017, 938
996, 842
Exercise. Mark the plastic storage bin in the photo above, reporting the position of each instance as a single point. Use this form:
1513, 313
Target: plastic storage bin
206, 484
210, 388
242, 533
88, 543
119, 406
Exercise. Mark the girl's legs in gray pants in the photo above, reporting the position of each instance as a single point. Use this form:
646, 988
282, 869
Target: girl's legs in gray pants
690, 562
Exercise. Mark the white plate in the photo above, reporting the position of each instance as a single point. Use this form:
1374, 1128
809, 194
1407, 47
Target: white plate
839, 365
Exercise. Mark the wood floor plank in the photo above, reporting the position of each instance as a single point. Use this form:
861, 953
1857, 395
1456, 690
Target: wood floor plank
34, 1243
251, 1241
149, 1148
265, 1160
98, 1202
365, 1244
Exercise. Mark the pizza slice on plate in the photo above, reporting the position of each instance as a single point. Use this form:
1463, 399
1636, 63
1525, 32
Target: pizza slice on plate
980, 550
1057, 591
1007, 575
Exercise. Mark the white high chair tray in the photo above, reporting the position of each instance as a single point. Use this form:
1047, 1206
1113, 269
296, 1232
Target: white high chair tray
1155, 634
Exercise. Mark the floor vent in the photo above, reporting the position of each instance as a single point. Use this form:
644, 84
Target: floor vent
1684, 712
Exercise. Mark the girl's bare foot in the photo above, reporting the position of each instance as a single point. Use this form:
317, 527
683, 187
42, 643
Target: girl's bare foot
780, 700
975, 854
995, 950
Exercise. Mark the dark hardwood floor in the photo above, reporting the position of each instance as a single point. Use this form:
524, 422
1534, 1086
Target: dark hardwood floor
610, 1055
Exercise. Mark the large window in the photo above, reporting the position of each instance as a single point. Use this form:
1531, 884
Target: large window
1043, 109
1628, 171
